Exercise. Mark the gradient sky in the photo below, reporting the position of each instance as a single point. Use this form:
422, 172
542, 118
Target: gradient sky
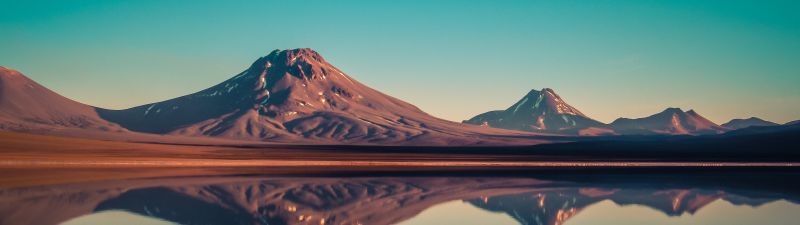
453, 59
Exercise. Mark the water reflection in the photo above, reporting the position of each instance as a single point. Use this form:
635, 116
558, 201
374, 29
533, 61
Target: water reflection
116, 217
558, 206
369, 200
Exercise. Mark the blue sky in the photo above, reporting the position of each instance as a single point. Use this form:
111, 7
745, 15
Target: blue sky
453, 59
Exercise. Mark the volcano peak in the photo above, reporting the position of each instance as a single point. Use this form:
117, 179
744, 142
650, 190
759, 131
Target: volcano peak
539, 110
303, 63
673, 110
292, 56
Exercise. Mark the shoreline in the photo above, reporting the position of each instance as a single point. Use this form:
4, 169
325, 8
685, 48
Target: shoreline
372, 163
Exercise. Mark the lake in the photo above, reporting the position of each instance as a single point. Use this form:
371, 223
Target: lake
454, 197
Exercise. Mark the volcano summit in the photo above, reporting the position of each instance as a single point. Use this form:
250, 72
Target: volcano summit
541, 111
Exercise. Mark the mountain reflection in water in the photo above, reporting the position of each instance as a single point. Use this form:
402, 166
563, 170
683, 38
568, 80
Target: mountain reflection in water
370, 200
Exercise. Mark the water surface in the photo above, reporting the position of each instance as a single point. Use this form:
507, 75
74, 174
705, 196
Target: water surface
524, 198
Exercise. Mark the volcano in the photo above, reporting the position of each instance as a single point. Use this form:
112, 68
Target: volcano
28, 106
297, 96
736, 124
541, 111
671, 121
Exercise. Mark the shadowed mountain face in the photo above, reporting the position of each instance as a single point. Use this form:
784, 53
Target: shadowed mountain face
295, 95
541, 111
27, 106
384, 200
736, 124
671, 121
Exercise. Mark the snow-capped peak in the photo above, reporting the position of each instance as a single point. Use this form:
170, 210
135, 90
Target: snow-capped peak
540, 101
539, 110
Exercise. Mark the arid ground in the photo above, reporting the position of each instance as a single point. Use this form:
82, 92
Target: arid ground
35, 159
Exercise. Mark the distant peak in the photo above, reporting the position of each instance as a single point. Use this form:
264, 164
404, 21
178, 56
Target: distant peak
753, 119
535, 92
545, 94
673, 110
300, 62
302, 51
292, 55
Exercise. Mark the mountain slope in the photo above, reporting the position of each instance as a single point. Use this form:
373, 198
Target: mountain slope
541, 111
673, 121
295, 95
736, 124
28, 106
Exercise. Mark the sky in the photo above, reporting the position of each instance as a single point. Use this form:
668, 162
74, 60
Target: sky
453, 59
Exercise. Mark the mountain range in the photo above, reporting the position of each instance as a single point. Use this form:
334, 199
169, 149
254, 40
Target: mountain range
289, 96
545, 111
296, 96
670, 121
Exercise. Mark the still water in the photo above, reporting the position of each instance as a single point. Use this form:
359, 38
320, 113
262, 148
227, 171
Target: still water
409, 200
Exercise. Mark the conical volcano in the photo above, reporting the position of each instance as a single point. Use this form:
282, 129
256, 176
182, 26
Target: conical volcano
295, 95
541, 111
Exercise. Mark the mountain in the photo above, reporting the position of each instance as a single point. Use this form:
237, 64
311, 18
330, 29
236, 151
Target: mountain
673, 121
28, 106
541, 111
792, 123
736, 124
297, 96
760, 130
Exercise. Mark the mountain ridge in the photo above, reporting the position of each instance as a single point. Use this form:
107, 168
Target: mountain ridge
671, 121
296, 96
736, 124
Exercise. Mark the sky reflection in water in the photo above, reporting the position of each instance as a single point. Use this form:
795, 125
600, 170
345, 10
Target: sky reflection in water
399, 200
